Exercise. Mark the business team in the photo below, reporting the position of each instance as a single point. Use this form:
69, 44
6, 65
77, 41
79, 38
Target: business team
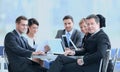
94, 47
93, 50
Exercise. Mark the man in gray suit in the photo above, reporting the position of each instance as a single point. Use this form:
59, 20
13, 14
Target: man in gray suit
18, 50
70, 33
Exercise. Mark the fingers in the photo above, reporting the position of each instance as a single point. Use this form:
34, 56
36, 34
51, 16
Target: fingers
67, 49
39, 53
66, 53
69, 52
47, 48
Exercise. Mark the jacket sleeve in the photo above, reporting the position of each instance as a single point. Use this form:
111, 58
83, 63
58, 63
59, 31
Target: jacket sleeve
79, 39
82, 51
58, 34
12, 45
102, 45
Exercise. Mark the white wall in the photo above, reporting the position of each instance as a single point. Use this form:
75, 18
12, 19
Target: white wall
49, 13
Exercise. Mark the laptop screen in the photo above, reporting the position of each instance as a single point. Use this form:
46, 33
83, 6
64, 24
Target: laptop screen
65, 44
56, 46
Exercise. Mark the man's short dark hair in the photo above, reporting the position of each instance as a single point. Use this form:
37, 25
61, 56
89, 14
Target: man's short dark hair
68, 17
20, 18
97, 20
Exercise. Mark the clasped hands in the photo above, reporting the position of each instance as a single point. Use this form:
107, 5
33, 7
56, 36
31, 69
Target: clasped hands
68, 51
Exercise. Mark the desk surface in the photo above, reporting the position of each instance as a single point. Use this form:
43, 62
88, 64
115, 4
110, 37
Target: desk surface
51, 57
46, 57
118, 59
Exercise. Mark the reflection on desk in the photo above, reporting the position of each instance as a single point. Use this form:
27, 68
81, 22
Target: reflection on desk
52, 57
118, 59
76, 57
47, 57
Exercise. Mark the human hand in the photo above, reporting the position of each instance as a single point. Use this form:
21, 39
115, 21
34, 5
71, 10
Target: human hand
67, 49
38, 53
80, 62
46, 48
69, 52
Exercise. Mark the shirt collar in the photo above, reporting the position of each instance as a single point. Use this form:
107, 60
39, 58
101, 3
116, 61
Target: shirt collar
18, 33
95, 32
69, 32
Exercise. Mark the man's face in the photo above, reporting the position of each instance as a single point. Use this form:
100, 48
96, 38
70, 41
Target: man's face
92, 25
22, 26
68, 24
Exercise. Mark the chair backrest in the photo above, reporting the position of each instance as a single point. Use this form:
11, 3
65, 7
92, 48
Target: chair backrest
5, 57
3, 63
1, 50
115, 57
100, 65
104, 62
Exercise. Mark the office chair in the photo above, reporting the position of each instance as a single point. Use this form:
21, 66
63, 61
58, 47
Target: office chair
6, 61
114, 60
4, 65
1, 51
104, 62
5, 58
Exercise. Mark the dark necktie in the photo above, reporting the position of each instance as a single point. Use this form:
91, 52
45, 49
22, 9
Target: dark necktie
23, 42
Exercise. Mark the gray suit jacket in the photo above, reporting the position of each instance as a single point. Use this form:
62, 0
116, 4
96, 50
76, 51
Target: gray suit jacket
76, 37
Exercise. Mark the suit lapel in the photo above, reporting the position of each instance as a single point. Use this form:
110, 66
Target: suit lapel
63, 32
73, 35
94, 36
19, 39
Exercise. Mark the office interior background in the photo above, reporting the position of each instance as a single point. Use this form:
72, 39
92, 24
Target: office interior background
49, 13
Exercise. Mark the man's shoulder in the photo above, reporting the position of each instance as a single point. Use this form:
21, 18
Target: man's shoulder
77, 31
9, 36
10, 33
61, 31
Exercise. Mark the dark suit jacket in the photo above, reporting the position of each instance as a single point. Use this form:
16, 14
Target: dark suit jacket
75, 37
94, 49
18, 53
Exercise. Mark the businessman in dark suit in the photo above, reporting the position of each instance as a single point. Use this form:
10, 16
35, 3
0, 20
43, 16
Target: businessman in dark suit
18, 51
94, 49
70, 32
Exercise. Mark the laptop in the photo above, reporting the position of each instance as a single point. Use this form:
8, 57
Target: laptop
56, 46
65, 44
